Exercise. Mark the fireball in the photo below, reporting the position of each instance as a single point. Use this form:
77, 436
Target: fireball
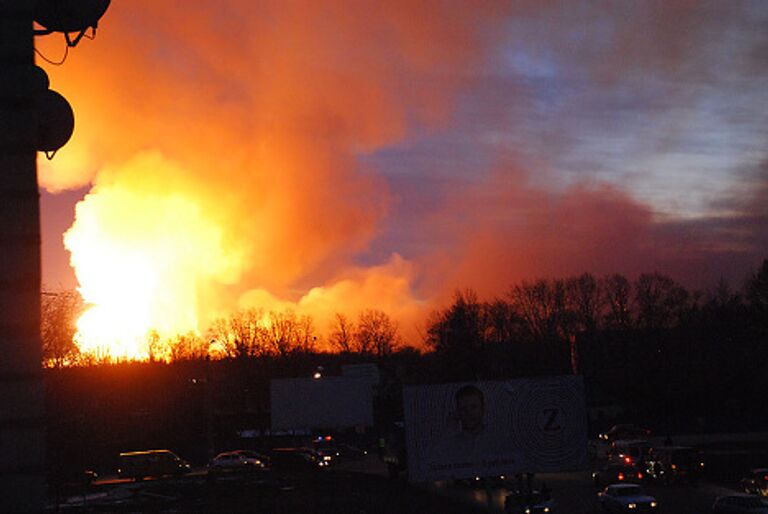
142, 259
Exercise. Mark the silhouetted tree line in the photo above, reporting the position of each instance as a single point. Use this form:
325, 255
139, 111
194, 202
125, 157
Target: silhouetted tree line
668, 356
245, 333
649, 345
673, 359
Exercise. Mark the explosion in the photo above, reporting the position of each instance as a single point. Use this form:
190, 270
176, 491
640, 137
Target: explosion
235, 177
332, 157
141, 258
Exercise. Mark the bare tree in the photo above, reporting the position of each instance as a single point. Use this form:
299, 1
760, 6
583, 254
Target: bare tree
376, 333
757, 289
155, 348
287, 332
502, 324
306, 340
185, 346
242, 334
542, 305
585, 301
660, 301
59, 313
342, 333
618, 291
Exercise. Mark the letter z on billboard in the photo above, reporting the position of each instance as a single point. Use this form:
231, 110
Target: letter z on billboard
486, 429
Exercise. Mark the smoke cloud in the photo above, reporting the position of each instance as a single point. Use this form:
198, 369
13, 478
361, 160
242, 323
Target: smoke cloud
337, 156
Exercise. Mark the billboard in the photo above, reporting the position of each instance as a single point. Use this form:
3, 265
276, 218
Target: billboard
484, 429
324, 403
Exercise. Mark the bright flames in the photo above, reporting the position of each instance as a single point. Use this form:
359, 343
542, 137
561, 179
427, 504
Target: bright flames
141, 259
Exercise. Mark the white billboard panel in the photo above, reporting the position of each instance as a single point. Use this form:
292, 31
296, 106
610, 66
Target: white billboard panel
485, 429
325, 403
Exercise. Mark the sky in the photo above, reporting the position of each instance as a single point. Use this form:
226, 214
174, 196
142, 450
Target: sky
340, 155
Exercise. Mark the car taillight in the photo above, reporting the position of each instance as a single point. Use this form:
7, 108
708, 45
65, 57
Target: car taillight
765, 477
639, 476
628, 460
621, 476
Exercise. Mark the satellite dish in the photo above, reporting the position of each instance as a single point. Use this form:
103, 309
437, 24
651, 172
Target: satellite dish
56, 121
69, 15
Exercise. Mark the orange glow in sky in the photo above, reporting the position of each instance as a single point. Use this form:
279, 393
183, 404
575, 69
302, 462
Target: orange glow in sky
334, 156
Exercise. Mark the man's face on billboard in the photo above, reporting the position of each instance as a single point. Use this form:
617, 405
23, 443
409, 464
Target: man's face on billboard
470, 410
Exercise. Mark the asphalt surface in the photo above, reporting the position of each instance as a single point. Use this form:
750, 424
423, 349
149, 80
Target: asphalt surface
355, 487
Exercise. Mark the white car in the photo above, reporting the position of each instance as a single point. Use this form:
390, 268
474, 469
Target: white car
238, 460
739, 504
626, 498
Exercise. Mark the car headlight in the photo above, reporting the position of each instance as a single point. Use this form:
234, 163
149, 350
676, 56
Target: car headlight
546, 509
632, 506
654, 504
527, 511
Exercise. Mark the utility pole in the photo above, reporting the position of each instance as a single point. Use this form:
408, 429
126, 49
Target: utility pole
22, 422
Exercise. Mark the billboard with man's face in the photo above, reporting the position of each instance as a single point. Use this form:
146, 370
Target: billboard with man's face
484, 429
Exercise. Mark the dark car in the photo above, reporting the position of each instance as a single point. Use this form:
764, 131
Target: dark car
348, 451
739, 504
617, 473
295, 460
525, 502
756, 482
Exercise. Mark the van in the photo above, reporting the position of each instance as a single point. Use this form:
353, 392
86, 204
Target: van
632, 451
674, 463
151, 464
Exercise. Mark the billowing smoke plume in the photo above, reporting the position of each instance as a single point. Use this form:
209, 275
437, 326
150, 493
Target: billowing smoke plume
233, 152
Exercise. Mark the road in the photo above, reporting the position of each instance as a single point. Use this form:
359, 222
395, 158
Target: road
575, 493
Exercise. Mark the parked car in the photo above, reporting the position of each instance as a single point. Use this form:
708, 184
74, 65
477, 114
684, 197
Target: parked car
238, 460
328, 454
739, 504
617, 473
670, 464
151, 464
756, 482
347, 451
625, 431
295, 460
626, 498
533, 502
